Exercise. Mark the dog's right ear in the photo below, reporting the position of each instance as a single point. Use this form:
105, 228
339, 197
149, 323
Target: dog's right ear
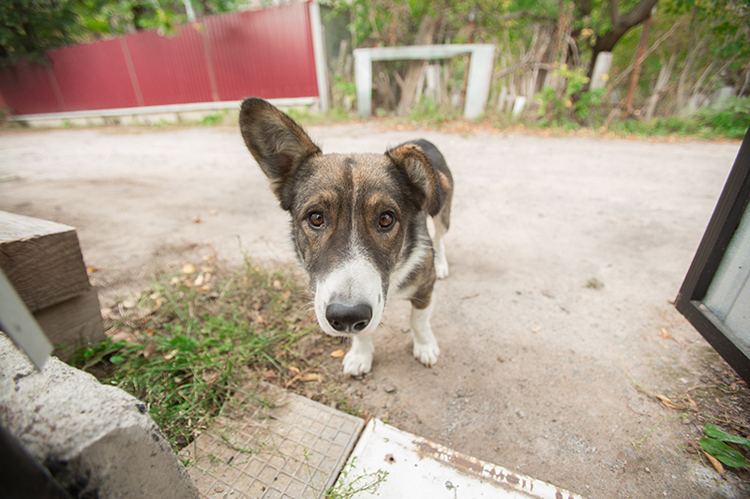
277, 143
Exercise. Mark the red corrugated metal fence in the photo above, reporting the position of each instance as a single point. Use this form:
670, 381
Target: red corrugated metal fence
266, 53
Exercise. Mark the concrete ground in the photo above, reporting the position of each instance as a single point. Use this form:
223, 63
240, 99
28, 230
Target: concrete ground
555, 323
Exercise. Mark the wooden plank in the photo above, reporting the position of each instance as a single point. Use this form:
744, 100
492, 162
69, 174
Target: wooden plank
42, 260
72, 323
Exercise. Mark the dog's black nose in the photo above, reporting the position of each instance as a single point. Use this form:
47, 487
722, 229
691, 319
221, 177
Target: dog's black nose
348, 319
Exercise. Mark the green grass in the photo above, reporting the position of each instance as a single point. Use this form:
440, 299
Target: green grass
186, 348
212, 119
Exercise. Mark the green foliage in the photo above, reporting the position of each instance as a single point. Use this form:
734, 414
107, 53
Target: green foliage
714, 444
29, 27
187, 352
212, 119
427, 110
730, 120
573, 104
347, 487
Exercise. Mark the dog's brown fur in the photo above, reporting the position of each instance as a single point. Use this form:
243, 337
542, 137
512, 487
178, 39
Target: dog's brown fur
372, 206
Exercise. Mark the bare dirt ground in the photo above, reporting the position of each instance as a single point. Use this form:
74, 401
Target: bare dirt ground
555, 324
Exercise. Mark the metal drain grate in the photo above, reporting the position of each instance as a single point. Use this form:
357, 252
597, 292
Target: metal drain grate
293, 450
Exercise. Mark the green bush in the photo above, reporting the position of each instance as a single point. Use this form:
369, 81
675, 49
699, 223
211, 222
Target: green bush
573, 106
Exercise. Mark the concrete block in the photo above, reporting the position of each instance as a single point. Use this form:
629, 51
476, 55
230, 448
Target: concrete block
97, 440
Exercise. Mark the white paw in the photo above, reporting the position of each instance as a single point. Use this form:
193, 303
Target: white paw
441, 269
427, 353
357, 363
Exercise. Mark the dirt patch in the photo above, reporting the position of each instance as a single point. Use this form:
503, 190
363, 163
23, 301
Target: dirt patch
541, 372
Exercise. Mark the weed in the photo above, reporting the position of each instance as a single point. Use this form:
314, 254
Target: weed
594, 283
573, 105
427, 110
347, 487
717, 444
212, 119
188, 343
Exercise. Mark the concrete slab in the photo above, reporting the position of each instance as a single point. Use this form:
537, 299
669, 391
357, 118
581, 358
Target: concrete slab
287, 447
417, 467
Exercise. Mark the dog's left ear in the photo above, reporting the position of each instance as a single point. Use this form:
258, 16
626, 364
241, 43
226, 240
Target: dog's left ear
277, 143
421, 173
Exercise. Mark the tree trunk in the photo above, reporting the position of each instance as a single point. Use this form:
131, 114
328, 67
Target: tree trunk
635, 76
414, 68
621, 24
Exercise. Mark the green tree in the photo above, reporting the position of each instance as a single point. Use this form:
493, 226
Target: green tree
29, 27
599, 25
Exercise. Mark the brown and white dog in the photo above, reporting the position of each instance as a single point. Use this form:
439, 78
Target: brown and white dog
359, 226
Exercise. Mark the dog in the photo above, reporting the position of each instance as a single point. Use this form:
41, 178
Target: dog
359, 227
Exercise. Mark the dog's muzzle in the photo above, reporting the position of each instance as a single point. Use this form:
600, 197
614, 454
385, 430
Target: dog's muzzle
348, 319
350, 299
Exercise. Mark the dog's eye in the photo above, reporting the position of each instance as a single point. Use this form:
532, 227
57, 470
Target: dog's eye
386, 220
316, 220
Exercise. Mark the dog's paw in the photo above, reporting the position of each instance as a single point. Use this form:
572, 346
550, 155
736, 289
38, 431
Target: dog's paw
357, 363
441, 269
427, 353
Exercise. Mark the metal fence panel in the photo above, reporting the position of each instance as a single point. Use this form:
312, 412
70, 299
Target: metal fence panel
170, 70
93, 76
266, 53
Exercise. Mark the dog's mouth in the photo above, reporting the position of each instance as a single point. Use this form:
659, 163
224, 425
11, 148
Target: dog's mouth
350, 300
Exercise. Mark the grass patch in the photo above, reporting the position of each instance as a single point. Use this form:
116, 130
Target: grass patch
189, 342
212, 119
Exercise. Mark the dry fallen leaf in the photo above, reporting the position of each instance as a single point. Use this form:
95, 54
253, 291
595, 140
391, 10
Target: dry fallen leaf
286, 294
665, 333
270, 374
294, 369
188, 269
310, 377
666, 401
277, 284
719, 467
170, 355
128, 303
337, 353
199, 280
260, 320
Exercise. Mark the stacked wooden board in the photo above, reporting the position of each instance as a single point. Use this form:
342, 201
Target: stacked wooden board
43, 262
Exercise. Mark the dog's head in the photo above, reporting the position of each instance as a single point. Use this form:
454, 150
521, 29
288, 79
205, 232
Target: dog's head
351, 214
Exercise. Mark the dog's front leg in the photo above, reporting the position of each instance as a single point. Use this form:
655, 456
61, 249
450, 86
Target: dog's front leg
358, 360
426, 348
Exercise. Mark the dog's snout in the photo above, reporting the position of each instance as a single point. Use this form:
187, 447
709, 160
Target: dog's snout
348, 319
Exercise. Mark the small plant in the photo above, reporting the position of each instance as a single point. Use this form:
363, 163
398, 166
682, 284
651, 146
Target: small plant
573, 104
594, 283
715, 444
347, 488
212, 119
190, 342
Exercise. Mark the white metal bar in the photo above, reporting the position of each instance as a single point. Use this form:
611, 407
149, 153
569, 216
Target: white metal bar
171, 108
319, 51
480, 71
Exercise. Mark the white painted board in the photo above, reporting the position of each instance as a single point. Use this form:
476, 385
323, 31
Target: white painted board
418, 468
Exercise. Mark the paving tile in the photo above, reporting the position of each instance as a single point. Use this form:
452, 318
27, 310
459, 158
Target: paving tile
293, 448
